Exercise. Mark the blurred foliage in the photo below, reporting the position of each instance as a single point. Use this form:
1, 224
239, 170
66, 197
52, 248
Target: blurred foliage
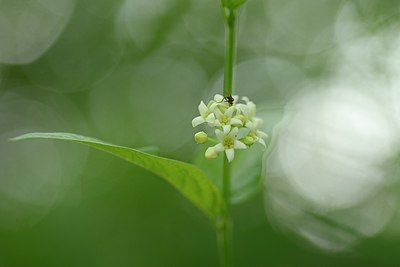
132, 72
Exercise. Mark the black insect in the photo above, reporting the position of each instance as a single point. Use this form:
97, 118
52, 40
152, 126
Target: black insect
228, 99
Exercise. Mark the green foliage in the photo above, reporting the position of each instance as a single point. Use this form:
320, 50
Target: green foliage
246, 174
189, 180
232, 4
153, 150
237, 3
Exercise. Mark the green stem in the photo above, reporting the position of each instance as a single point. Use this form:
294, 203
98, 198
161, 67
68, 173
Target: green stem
213, 140
230, 49
224, 233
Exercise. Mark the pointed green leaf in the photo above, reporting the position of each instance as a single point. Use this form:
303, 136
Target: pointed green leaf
153, 150
186, 178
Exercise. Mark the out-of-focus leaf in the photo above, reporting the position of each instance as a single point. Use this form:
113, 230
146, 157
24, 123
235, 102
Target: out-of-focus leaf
237, 3
186, 178
246, 171
225, 2
29, 28
233, 3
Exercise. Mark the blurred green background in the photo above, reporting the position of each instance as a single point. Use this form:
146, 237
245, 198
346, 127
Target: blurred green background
132, 72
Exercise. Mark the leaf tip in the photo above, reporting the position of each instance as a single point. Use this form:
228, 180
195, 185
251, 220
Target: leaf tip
14, 139
19, 138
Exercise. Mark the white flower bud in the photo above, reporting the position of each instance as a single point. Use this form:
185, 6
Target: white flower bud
201, 137
211, 153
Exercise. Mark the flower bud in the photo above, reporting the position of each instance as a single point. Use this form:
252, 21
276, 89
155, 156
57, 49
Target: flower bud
248, 140
211, 153
201, 137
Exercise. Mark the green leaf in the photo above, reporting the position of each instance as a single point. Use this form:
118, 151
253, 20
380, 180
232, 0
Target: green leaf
246, 171
225, 3
153, 150
237, 3
232, 4
189, 180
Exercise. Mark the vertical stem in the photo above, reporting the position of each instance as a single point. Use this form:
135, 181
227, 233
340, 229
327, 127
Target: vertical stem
230, 49
226, 183
225, 228
224, 231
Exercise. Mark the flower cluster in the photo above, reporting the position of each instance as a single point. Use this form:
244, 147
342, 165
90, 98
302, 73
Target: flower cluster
235, 124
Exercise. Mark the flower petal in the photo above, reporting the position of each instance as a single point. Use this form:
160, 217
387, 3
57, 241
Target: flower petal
197, 121
239, 145
262, 134
261, 141
218, 98
226, 129
236, 121
220, 135
219, 147
257, 122
233, 132
230, 154
245, 110
249, 125
252, 109
216, 123
202, 108
213, 106
210, 118
217, 112
230, 110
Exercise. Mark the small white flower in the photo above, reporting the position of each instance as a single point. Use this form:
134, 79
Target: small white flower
224, 116
258, 135
228, 142
205, 115
248, 111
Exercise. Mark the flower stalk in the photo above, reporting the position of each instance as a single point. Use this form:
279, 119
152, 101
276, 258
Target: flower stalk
230, 49
226, 250
225, 236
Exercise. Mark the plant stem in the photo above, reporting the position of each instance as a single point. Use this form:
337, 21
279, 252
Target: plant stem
224, 233
230, 49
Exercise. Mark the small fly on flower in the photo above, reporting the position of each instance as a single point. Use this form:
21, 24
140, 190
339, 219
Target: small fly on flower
228, 99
